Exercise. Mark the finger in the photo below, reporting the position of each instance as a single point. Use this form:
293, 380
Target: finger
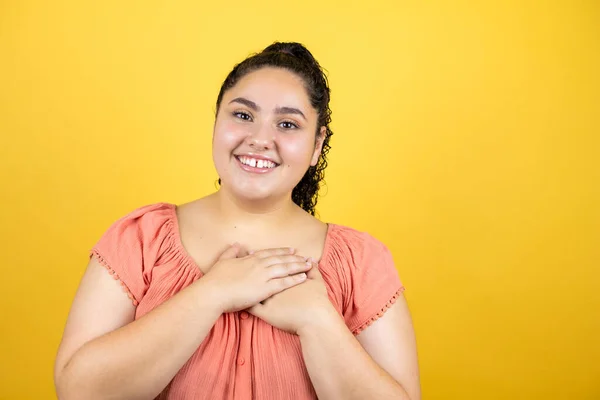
230, 252
257, 310
281, 284
243, 252
285, 259
286, 269
314, 272
281, 251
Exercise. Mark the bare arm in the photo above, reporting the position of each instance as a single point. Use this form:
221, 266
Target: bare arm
380, 363
126, 359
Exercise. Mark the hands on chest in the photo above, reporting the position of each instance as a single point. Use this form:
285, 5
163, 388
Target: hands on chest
277, 285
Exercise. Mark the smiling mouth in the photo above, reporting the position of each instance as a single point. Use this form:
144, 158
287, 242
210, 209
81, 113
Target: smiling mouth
256, 164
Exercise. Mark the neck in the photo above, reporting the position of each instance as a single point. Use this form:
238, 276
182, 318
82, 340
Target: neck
267, 213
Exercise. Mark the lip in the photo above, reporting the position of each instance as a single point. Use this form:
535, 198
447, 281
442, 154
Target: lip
256, 156
254, 170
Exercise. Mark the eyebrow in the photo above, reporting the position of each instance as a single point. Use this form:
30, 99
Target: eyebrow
278, 110
289, 110
246, 102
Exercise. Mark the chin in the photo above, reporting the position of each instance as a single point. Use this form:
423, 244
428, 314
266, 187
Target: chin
250, 193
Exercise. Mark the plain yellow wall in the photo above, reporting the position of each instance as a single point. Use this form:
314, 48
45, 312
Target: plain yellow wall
466, 138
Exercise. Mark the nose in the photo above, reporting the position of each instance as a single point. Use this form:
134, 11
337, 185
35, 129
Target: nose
261, 138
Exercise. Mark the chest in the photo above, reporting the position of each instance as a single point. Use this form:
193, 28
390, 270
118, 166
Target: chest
205, 246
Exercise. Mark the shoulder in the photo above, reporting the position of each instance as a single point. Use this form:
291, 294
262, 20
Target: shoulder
368, 278
354, 243
132, 245
147, 219
150, 212
144, 225
355, 255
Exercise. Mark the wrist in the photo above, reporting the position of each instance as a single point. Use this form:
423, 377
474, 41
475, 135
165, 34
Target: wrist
210, 296
326, 319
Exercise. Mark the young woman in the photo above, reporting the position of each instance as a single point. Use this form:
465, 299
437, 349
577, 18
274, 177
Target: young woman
244, 294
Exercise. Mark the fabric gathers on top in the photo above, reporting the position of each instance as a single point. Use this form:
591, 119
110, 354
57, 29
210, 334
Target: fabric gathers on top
243, 357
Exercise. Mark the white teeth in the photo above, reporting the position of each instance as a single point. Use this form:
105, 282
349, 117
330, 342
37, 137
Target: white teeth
256, 163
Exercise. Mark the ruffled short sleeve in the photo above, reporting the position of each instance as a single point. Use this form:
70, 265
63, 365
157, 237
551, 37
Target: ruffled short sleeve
373, 283
130, 247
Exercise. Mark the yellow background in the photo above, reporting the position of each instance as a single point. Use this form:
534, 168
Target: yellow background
466, 138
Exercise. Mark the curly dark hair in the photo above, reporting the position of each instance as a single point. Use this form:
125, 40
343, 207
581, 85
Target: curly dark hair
295, 58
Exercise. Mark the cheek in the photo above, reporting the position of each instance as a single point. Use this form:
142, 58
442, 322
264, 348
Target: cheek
227, 135
296, 150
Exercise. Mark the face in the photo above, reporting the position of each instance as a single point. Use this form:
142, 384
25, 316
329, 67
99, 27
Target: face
265, 135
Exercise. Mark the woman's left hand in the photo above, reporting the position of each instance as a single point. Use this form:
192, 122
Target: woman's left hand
296, 307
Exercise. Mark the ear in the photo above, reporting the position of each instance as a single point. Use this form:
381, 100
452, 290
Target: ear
318, 146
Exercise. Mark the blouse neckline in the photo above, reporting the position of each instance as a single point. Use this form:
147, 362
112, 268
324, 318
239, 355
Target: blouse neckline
180, 248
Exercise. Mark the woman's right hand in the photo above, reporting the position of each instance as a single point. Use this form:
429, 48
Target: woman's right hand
241, 282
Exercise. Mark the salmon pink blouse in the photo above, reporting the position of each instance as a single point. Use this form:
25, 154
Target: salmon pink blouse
242, 356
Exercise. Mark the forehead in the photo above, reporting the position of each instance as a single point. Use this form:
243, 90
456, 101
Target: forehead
272, 87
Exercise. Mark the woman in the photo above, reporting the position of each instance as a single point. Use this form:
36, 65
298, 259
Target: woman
222, 298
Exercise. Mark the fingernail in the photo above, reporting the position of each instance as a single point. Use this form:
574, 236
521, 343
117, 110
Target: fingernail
291, 249
251, 252
301, 276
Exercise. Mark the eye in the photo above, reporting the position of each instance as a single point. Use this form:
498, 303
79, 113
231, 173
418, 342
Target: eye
242, 115
288, 125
